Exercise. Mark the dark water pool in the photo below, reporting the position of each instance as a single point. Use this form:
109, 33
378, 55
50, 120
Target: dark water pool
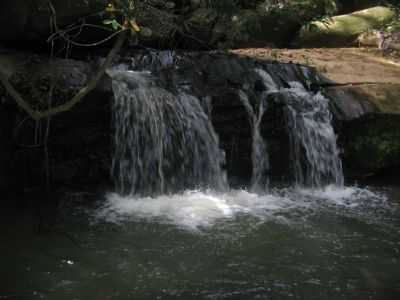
328, 244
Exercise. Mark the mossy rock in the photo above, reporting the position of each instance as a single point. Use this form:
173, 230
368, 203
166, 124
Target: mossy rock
372, 144
344, 30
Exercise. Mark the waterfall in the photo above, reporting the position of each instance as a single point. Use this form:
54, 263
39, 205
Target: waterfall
163, 142
259, 155
314, 151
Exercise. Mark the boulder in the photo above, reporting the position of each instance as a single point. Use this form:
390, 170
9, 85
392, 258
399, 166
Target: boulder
371, 145
369, 117
79, 140
343, 30
7, 122
352, 102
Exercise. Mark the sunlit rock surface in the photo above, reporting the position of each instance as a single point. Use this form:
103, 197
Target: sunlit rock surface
343, 30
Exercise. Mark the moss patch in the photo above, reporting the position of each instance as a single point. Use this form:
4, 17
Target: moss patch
344, 30
372, 143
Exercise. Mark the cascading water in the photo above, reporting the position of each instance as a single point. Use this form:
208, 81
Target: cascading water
168, 165
314, 151
163, 142
181, 240
259, 156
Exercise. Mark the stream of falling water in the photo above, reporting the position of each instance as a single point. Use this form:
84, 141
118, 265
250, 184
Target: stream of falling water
260, 157
314, 151
173, 229
163, 142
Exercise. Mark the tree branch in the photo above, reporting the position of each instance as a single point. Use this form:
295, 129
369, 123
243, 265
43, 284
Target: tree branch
37, 115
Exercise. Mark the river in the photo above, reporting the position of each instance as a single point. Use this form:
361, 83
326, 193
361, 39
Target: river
331, 243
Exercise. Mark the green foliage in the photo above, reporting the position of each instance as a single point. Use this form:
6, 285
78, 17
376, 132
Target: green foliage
114, 24
223, 7
302, 10
144, 17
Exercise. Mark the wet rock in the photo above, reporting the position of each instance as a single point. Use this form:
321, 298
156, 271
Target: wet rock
352, 102
79, 140
7, 122
371, 145
369, 117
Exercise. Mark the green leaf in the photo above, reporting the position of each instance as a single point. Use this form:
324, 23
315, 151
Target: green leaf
115, 25
107, 22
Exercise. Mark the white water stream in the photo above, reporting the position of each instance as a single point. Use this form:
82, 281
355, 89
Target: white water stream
168, 166
194, 210
163, 142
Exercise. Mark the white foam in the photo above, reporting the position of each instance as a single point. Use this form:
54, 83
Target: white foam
344, 196
198, 209
191, 209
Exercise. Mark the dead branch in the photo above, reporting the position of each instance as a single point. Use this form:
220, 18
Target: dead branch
36, 114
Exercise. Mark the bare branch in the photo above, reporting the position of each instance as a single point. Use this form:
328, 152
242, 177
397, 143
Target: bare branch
37, 115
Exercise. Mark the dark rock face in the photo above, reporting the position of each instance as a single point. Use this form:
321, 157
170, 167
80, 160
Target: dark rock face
80, 141
369, 120
219, 79
7, 119
372, 145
